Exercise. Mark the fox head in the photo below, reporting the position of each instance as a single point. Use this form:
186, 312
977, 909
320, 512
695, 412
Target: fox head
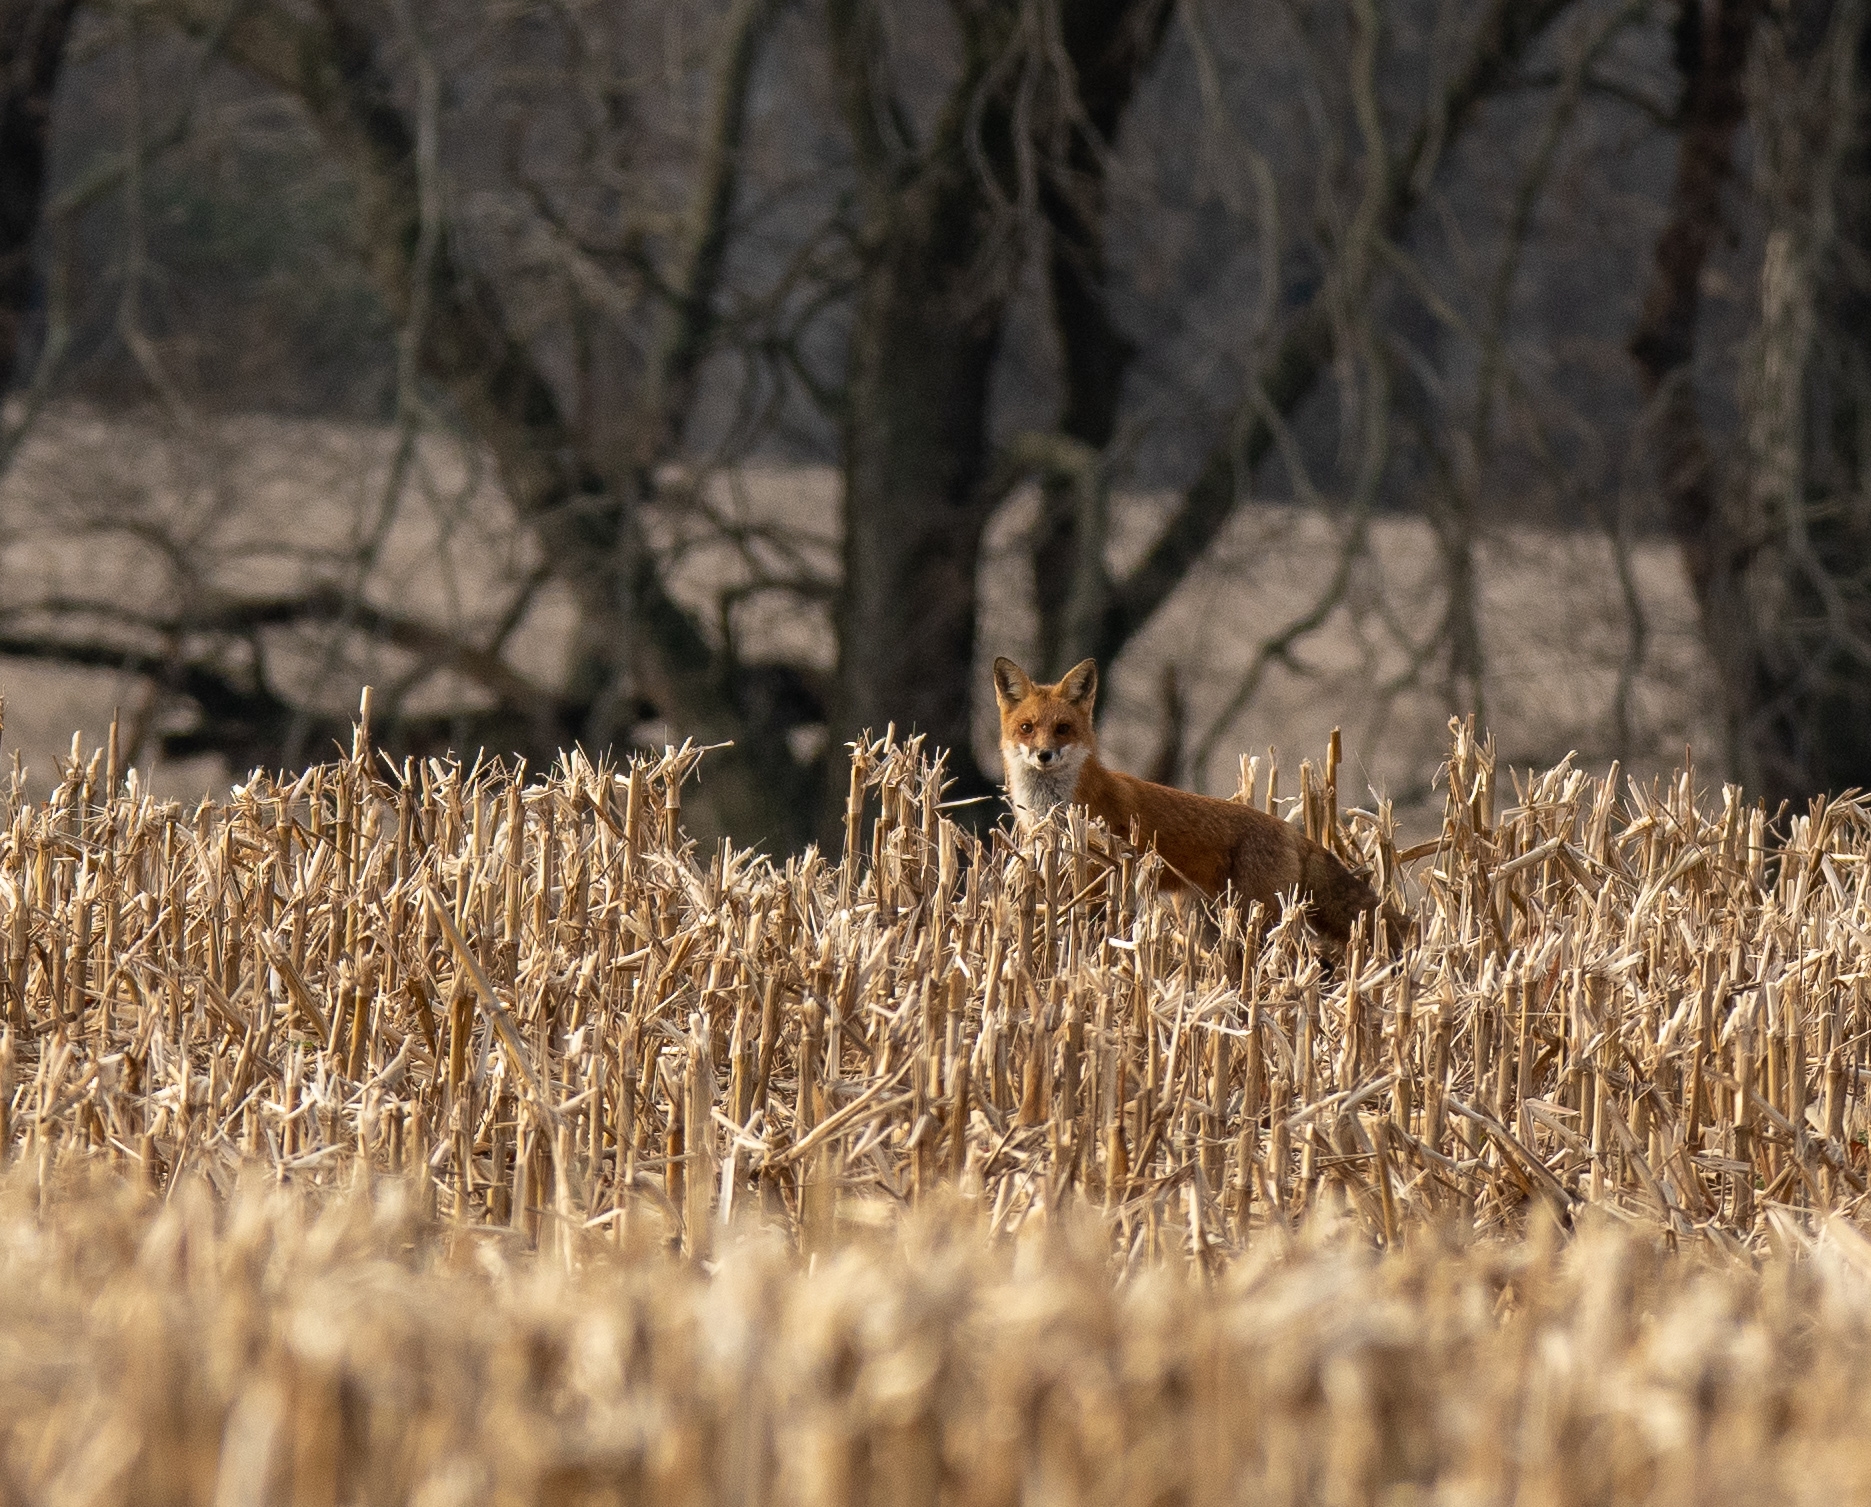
1045, 730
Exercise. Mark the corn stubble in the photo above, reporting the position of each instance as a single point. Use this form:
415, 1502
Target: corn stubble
427, 1133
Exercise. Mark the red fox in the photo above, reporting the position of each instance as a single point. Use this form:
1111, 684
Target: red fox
1051, 755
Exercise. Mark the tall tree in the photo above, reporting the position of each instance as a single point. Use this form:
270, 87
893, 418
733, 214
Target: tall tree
1109, 47
1712, 44
982, 137
634, 645
945, 223
1302, 348
1775, 542
939, 250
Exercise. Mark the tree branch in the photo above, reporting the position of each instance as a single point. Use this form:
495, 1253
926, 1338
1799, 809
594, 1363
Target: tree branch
684, 339
242, 617
1305, 346
1107, 48
632, 632
871, 113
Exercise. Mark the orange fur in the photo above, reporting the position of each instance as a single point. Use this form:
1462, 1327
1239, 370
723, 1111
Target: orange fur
1051, 753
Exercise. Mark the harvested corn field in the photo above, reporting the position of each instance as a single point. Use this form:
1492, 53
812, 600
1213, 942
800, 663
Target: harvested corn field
267, 1350
446, 1135
537, 999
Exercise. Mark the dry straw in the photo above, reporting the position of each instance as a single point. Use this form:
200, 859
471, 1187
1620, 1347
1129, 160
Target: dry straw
265, 1349
547, 1006
434, 1134
539, 1000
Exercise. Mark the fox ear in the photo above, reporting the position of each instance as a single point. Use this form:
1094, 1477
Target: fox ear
1080, 686
1012, 685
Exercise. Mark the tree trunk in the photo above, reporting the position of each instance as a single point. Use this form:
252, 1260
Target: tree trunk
1774, 548
1807, 407
1711, 49
922, 349
941, 243
944, 238
32, 46
1111, 45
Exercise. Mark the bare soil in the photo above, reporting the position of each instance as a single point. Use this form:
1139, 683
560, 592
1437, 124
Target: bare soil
138, 515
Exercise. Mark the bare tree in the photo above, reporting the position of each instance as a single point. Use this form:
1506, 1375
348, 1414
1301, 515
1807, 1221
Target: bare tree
616, 282
1772, 522
634, 644
944, 223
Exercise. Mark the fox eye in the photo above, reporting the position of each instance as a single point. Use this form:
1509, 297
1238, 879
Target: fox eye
1063, 728
1026, 727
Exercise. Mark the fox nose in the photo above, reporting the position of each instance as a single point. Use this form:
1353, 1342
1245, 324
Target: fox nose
1047, 755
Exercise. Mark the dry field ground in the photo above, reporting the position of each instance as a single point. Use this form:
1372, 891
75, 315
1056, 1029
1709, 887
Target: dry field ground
426, 1136
255, 504
272, 1350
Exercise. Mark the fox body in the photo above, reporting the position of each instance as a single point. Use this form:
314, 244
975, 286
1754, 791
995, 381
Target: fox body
1051, 755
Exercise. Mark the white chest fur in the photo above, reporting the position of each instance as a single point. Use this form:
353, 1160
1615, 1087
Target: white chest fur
1037, 788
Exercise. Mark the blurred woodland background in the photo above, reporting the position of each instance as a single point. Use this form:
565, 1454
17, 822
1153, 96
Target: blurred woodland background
604, 371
